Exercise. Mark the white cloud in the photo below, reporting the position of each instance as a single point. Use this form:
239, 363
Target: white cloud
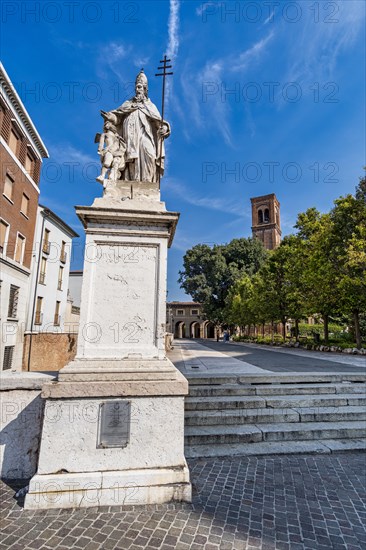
141, 62
205, 5
64, 153
319, 44
251, 54
221, 204
200, 83
270, 17
173, 30
109, 59
173, 40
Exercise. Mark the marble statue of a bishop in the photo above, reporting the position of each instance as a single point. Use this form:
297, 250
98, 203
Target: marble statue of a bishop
139, 123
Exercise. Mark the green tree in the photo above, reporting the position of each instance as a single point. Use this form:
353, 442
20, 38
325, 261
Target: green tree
348, 253
278, 286
241, 308
318, 272
210, 272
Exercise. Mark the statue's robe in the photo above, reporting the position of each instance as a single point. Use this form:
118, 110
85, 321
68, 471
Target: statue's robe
138, 123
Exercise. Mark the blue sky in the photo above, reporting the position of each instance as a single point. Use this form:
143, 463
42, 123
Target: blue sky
266, 97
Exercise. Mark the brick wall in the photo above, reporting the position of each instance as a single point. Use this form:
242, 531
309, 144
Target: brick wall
50, 351
11, 212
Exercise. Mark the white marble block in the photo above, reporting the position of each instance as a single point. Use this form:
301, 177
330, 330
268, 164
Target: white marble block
120, 358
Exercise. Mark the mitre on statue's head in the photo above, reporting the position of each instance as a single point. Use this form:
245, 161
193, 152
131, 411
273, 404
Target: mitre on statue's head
141, 78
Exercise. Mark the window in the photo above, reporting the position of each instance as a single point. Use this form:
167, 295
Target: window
25, 205
63, 252
57, 319
29, 164
8, 187
194, 311
266, 215
14, 142
13, 302
42, 273
38, 317
60, 276
19, 248
8, 357
4, 230
260, 216
46, 241
180, 311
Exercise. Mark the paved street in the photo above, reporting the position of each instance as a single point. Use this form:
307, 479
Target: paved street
249, 358
280, 503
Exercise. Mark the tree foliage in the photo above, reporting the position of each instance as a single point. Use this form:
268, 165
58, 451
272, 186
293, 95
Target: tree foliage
210, 272
319, 270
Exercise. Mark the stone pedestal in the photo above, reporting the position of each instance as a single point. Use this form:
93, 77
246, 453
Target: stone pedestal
133, 452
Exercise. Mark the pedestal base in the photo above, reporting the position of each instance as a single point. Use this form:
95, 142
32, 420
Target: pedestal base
112, 488
77, 468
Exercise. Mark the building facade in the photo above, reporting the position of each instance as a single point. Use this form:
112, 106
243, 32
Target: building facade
185, 320
21, 155
50, 272
48, 344
72, 317
266, 221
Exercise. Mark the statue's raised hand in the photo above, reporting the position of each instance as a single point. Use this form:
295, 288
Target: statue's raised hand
164, 130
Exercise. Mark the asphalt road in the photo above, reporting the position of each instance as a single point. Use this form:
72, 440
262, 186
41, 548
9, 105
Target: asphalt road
287, 360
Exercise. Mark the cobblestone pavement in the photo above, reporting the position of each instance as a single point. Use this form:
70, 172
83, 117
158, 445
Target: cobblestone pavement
295, 502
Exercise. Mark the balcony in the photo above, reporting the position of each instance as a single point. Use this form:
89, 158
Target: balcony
38, 318
63, 256
46, 247
42, 278
57, 320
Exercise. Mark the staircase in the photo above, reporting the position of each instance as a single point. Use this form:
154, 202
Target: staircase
275, 414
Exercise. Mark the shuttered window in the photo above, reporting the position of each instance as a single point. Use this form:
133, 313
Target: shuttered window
8, 187
13, 142
3, 235
8, 357
13, 302
25, 205
19, 248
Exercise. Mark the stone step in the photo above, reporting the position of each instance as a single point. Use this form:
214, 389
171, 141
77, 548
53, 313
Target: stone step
314, 377
224, 402
312, 389
276, 389
339, 400
313, 430
218, 403
240, 416
260, 416
331, 414
221, 434
201, 435
276, 448
224, 389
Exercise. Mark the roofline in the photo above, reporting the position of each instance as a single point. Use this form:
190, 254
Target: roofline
8, 86
263, 197
61, 222
184, 303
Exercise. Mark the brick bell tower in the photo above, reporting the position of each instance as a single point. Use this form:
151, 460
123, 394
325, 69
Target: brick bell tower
266, 223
